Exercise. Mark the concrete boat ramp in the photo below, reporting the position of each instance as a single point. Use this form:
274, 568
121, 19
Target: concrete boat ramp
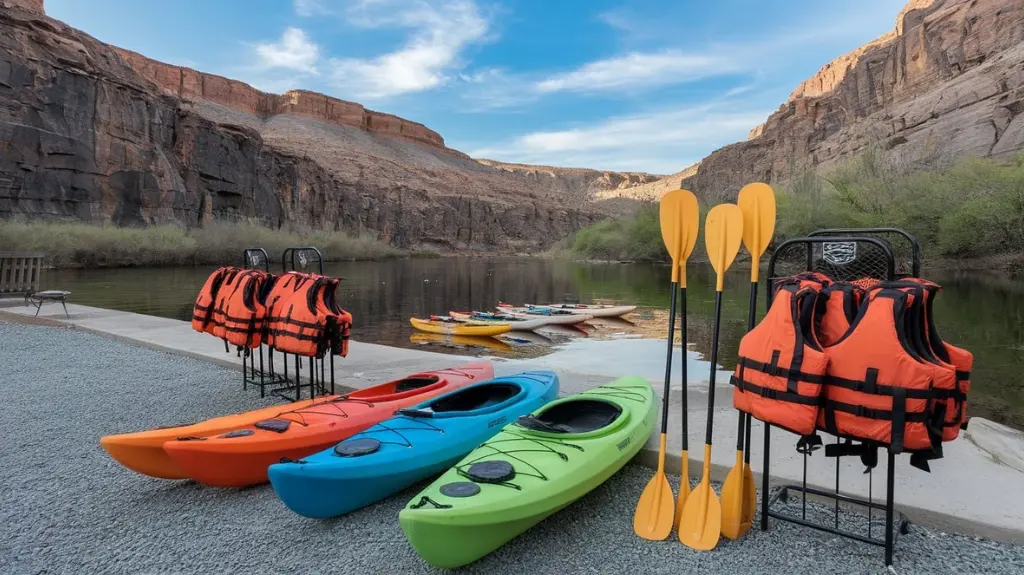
975, 489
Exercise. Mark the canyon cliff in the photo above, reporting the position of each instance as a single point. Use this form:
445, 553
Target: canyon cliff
97, 133
947, 82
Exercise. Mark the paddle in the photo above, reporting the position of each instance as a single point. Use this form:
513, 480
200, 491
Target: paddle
692, 214
701, 523
739, 496
655, 510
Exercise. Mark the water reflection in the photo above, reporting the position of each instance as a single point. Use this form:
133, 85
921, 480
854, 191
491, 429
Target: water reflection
983, 314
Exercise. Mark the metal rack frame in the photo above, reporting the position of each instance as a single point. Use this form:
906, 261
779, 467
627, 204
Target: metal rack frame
823, 236
317, 377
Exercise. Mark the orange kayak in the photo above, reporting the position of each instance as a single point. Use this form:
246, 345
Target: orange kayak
240, 456
143, 451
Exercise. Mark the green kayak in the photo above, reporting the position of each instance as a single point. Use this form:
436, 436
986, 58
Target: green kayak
534, 467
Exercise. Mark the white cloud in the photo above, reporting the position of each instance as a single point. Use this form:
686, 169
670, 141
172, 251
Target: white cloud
294, 51
659, 142
639, 69
310, 7
441, 33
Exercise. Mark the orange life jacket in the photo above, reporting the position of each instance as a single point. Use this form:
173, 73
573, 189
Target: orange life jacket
836, 307
879, 387
202, 310
956, 360
242, 312
303, 317
781, 368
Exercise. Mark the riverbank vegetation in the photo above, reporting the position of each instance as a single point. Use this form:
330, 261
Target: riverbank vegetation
68, 244
970, 210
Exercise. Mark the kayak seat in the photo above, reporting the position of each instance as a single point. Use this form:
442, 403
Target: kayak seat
476, 397
411, 383
577, 416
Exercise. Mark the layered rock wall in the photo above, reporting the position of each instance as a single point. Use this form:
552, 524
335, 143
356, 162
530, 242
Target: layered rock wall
190, 84
31, 6
87, 137
947, 82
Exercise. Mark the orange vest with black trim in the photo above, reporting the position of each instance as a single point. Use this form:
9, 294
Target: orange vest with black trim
781, 368
836, 307
202, 310
879, 388
956, 360
244, 313
841, 302
303, 318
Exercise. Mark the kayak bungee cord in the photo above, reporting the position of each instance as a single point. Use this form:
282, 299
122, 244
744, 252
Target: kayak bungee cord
338, 412
618, 392
381, 428
540, 441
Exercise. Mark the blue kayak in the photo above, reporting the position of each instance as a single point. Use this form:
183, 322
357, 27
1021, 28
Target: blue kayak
418, 442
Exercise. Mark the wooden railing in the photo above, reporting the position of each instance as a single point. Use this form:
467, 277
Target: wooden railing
20, 273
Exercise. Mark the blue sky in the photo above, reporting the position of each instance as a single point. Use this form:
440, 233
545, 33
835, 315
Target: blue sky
638, 85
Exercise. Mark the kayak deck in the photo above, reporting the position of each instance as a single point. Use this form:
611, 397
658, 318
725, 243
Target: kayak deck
533, 468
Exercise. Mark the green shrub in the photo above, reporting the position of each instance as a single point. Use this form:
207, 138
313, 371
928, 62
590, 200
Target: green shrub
68, 244
973, 208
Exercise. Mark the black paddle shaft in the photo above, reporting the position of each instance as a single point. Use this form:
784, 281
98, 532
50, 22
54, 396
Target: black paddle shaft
682, 326
714, 362
668, 358
750, 326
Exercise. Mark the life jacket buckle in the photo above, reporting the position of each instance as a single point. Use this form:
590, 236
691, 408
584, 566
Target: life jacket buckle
808, 444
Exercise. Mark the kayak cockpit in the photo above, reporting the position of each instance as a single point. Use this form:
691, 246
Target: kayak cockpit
574, 416
397, 389
483, 397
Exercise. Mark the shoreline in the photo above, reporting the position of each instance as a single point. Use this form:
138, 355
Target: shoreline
924, 497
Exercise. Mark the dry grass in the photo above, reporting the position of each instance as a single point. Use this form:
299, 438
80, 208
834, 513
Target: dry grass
87, 245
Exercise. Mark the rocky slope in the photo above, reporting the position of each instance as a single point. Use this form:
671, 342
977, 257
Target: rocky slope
97, 133
947, 82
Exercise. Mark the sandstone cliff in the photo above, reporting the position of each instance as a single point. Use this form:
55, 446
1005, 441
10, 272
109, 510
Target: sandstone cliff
947, 82
192, 85
100, 134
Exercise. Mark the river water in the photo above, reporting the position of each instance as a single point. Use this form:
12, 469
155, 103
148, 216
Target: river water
983, 314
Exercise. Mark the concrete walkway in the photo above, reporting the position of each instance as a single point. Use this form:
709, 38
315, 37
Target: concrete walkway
971, 490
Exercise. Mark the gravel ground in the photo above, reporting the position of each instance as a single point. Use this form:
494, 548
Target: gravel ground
68, 508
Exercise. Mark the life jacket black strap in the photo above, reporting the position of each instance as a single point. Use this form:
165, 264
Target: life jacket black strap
774, 369
774, 394
861, 411
870, 385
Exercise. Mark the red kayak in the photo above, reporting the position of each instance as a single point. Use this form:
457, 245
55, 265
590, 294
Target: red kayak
241, 456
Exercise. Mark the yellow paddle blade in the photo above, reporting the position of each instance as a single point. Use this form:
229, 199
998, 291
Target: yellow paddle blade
757, 202
723, 233
732, 499
684, 489
749, 499
655, 510
679, 216
701, 524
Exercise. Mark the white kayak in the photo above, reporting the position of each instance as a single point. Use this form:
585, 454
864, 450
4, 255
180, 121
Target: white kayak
549, 316
594, 310
518, 323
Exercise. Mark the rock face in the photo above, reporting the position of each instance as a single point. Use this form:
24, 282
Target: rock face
947, 82
31, 6
90, 132
192, 85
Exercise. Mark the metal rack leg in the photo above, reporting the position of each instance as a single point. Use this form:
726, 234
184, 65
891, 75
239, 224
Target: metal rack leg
765, 473
890, 497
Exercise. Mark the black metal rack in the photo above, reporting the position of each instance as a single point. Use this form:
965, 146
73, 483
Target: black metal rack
317, 377
843, 254
282, 385
254, 258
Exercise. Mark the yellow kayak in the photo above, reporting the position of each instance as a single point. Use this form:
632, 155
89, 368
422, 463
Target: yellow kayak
458, 328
